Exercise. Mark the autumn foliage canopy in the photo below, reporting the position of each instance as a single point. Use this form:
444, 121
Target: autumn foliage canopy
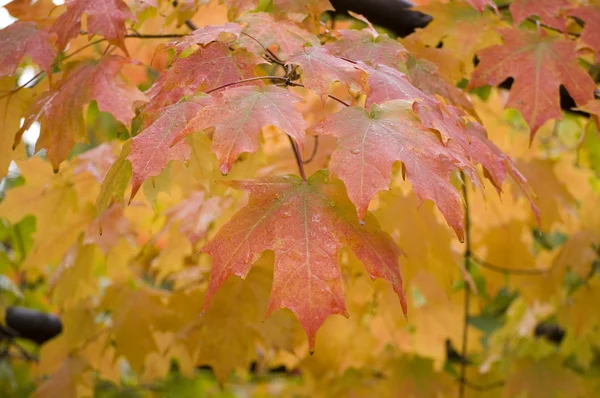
199, 189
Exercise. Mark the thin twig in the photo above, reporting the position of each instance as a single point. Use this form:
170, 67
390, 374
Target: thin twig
543, 25
467, 303
137, 35
504, 270
250, 79
314, 151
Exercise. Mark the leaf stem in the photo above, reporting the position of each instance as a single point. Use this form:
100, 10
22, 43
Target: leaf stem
298, 157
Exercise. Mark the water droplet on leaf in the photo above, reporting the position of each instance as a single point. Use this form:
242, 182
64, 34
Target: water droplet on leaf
355, 151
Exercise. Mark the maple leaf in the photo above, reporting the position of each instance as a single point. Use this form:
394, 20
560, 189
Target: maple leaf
61, 109
239, 114
368, 46
264, 29
25, 38
224, 33
320, 69
305, 223
539, 64
106, 18
153, 148
591, 16
547, 10
369, 142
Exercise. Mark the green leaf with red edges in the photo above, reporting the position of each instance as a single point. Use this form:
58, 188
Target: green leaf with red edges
25, 38
363, 45
539, 63
106, 18
60, 110
208, 68
305, 223
240, 113
590, 35
153, 148
261, 27
320, 69
546, 10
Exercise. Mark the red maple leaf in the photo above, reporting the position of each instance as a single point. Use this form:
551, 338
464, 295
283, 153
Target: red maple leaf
369, 142
320, 69
106, 18
238, 116
547, 10
590, 34
61, 109
153, 148
539, 63
25, 38
305, 223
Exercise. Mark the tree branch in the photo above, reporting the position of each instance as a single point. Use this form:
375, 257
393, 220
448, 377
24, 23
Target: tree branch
250, 79
467, 302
